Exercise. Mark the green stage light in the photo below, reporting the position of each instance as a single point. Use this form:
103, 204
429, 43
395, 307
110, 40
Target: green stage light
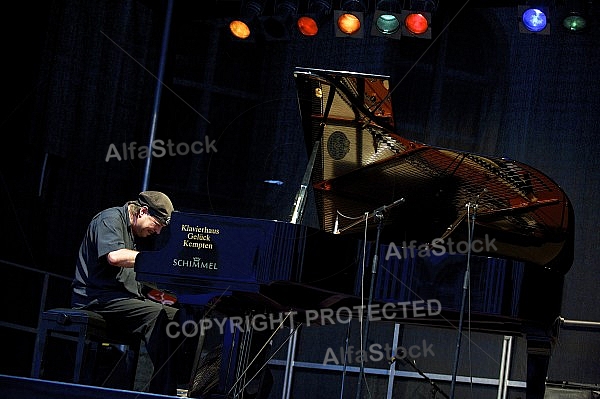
387, 19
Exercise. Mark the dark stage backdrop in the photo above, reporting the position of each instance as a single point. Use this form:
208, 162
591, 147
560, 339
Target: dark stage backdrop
82, 90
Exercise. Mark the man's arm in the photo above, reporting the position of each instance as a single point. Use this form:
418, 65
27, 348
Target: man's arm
122, 257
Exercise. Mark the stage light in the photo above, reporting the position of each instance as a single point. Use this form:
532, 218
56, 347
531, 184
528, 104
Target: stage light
349, 21
387, 19
278, 25
575, 22
416, 24
533, 20
416, 20
243, 27
318, 11
576, 18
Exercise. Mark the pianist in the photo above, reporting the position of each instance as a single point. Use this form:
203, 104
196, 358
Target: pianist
105, 280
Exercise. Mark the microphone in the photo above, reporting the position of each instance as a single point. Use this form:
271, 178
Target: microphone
393, 204
480, 194
475, 204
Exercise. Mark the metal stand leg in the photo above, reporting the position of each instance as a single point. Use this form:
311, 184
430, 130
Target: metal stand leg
289, 365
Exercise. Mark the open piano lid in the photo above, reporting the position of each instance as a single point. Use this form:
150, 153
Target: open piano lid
361, 164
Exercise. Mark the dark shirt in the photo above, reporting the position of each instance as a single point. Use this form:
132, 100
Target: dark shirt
96, 281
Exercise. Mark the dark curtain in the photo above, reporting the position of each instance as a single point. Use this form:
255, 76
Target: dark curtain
97, 73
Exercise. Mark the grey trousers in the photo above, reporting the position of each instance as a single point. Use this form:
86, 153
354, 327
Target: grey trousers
148, 319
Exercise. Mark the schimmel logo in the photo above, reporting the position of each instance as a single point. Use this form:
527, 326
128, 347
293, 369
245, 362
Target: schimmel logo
196, 263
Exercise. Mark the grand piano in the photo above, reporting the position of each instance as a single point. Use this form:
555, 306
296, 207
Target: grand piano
422, 215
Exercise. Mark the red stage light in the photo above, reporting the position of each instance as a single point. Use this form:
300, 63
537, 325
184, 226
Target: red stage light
416, 23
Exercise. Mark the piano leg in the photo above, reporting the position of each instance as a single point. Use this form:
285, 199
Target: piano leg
539, 349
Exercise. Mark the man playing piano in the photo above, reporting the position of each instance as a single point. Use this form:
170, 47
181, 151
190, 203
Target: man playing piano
105, 280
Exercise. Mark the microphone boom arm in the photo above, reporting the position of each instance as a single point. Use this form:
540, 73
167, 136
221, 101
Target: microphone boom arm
381, 209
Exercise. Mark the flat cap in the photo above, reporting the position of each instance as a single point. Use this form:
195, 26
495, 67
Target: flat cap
159, 205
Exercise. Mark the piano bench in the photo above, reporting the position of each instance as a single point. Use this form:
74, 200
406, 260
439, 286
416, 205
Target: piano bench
88, 330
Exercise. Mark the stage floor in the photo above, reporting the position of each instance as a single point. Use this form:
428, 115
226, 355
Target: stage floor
12, 387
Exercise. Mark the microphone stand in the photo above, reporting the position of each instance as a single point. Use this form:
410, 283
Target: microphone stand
378, 215
464, 294
434, 386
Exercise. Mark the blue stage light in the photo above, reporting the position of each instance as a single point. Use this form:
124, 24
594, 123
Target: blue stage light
534, 19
